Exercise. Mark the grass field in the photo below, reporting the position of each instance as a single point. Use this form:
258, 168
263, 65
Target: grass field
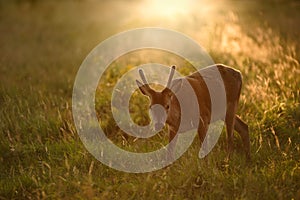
43, 43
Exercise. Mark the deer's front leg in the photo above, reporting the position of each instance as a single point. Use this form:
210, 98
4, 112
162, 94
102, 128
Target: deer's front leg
202, 129
172, 144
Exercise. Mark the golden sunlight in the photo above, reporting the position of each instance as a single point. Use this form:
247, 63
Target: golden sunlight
166, 8
172, 13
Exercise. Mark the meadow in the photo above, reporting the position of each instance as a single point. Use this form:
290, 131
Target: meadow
42, 45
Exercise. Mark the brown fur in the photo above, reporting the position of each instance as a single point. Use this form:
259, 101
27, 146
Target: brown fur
232, 81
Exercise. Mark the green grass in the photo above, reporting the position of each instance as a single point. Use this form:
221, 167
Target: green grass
43, 44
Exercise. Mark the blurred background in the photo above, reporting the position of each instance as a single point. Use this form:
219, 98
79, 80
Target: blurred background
43, 43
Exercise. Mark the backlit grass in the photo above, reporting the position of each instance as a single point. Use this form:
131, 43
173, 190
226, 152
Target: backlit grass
43, 44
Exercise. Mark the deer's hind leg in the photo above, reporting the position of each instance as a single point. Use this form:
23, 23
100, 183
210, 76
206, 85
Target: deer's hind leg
242, 128
202, 130
229, 121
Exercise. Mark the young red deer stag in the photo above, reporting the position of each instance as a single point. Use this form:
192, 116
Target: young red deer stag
165, 106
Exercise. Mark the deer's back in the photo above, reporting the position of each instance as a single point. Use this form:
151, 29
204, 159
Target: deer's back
211, 86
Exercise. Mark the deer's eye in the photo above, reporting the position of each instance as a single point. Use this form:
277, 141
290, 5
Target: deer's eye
167, 107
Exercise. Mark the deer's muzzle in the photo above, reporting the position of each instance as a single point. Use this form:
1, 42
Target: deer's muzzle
158, 126
158, 115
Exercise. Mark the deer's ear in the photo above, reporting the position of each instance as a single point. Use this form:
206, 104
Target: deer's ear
176, 85
145, 89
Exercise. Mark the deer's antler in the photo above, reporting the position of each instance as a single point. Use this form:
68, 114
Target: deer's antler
171, 76
142, 75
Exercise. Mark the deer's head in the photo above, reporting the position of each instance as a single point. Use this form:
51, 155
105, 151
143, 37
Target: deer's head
160, 101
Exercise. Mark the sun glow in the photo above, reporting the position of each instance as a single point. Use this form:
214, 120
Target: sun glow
166, 8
